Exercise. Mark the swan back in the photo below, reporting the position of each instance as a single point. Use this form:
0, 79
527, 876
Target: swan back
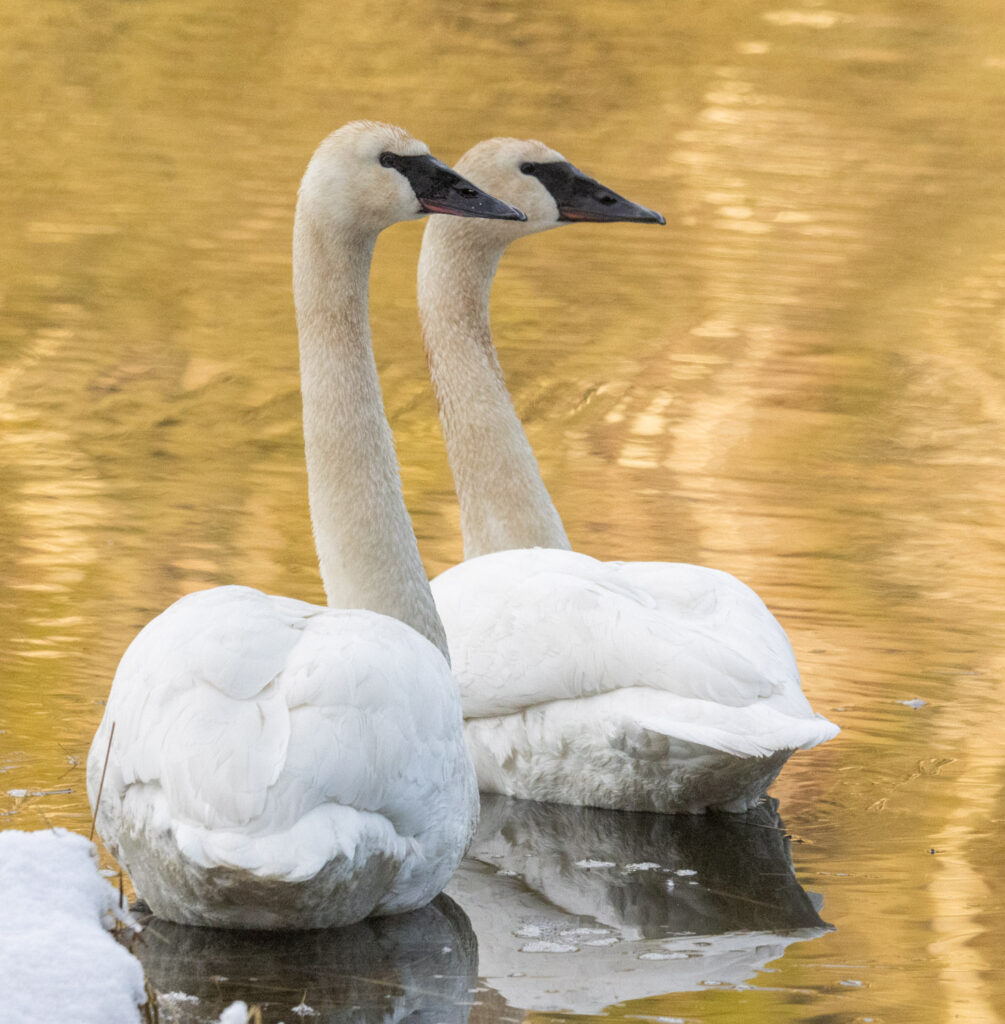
308, 759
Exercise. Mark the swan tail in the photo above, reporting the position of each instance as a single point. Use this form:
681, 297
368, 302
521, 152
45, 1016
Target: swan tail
754, 732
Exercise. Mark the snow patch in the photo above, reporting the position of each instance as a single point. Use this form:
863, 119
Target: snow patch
236, 1013
59, 961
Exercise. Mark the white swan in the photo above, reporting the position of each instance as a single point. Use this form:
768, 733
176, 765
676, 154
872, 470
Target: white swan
631, 685
272, 763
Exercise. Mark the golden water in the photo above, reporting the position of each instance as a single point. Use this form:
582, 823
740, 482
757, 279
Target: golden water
798, 380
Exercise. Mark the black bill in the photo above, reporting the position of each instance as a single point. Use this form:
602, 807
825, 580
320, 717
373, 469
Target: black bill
440, 189
580, 197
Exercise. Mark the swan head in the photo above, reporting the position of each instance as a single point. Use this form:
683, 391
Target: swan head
366, 176
549, 189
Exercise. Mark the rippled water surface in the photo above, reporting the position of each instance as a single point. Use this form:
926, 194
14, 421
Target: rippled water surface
798, 380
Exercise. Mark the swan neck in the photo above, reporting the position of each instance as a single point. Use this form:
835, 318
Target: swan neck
504, 502
365, 542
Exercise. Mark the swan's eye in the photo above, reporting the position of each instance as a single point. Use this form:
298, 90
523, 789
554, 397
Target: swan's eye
607, 200
528, 168
387, 160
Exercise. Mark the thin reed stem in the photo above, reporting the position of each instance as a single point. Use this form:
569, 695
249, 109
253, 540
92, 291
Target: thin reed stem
101, 784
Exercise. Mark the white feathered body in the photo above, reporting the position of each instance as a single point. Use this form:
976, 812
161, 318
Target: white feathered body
276, 764
647, 686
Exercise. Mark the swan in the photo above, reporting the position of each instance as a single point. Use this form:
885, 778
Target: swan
267, 763
648, 686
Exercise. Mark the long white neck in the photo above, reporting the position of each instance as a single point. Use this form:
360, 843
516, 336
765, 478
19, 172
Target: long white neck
365, 542
504, 503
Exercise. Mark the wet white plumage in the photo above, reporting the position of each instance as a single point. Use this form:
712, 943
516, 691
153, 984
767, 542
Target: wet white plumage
305, 758
637, 685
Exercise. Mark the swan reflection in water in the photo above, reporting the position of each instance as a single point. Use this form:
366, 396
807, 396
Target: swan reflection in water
576, 908
421, 965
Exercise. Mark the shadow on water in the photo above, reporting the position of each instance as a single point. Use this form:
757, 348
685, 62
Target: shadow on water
420, 966
577, 908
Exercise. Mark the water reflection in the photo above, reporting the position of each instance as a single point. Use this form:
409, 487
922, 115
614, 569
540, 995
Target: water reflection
576, 908
421, 965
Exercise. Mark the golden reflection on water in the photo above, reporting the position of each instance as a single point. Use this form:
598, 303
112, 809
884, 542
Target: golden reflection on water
798, 380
